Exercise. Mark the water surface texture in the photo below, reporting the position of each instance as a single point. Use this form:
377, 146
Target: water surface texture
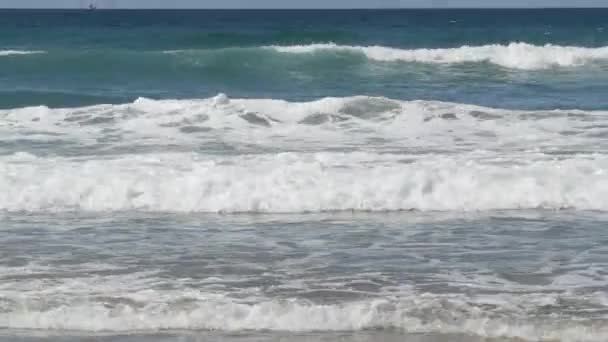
422, 176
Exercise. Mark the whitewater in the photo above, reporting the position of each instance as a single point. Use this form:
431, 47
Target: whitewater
313, 176
414, 155
435, 164
516, 55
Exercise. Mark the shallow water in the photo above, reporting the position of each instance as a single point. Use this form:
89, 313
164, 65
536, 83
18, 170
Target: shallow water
514, 274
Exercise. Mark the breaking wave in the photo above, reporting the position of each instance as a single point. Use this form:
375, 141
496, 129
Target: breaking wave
298, 182
223, 155
355, 122
513, 55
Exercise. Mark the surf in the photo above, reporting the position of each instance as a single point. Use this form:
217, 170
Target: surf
515, 55
298, 183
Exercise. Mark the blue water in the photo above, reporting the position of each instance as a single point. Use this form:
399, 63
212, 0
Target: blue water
116, 56
363, 175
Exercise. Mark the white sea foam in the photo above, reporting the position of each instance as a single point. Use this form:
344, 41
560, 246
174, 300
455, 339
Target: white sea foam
344, 123
299, 182
513, 55
416, 155
124, 298
19, 52
417, 314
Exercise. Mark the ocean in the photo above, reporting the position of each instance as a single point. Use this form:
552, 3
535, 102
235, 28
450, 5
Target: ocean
275, 175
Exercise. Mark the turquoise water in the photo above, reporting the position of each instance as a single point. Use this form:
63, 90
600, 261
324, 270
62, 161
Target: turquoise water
118, 56
304, 175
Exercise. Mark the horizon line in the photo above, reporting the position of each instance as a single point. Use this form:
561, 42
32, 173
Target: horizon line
303, 8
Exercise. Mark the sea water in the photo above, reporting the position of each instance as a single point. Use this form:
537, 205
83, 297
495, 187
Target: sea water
265, 175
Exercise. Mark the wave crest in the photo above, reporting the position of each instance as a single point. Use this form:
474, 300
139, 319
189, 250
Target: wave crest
514, 55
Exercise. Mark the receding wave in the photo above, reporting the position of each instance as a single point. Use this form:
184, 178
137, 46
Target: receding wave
513, 55
195, 311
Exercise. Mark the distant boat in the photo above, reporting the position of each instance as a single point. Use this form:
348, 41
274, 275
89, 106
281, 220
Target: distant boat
90, 5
